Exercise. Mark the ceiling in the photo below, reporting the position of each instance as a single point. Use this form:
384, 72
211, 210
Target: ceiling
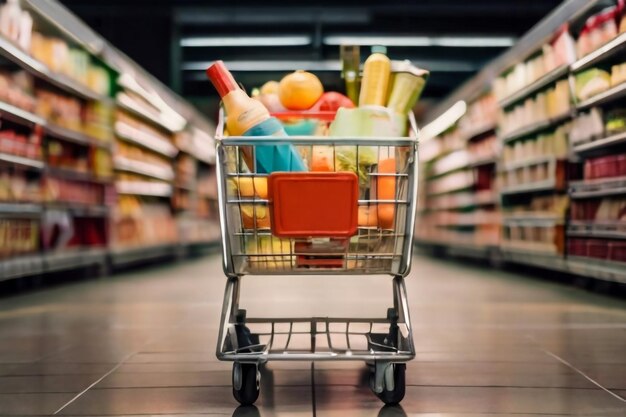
176, 39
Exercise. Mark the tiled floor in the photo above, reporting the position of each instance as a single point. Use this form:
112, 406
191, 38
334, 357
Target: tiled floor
488, 343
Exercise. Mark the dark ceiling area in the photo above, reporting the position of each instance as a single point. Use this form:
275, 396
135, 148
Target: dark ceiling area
176, 39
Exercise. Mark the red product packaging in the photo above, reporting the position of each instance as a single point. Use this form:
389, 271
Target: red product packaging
621, 165
577, 247
617, 250
597, 248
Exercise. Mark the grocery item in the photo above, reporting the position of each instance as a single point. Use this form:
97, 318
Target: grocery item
251, 187
249, 117
618, 74
299, 90
371, 121
598, 30
591, 82
350, 61
270, 87
375, 81
386, 190
616, 121
407, 87
332, 101
255, 216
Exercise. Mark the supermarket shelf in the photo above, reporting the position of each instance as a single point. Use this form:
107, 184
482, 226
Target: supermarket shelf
138, 137
126, 103
465, 250
522, 163
18, 160
608, 96
74, 258
74, 136
79, 210
535, 257
606, 142
530, 188
535, 86
535, 127
597, 268
608, 50
126, 256
17, 115
145, 188
21, 266
483, 161
143, 168
534, 219
598, 188
29, 210
480, 130
73, 175
604, 230
39, 69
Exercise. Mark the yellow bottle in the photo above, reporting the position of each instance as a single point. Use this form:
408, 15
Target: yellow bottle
375, 78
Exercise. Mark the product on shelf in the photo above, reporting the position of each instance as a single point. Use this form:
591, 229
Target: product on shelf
68, 191
135, 223
539, 172
587, 126
98, 120
131, 126
68, 156
18, 186
618, 74
16, 24
615, 121
485, 148
598, 30
14, 143
592, 82
102, 163
546, 239
18, 237
607, 209
549, 205
61, 110
185, 171
480, 114
554, 102
605, 167
17, 88
603, 249
553, 144
560, 51
135, 153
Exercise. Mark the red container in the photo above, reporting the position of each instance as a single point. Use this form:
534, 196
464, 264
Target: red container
617, 251
598, 248
313, 204
605, 166
577, 247
621, 165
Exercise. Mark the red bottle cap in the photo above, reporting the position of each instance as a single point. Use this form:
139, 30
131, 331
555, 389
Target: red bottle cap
221, 78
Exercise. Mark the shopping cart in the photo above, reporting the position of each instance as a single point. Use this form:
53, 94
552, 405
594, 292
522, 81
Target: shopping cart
292, 242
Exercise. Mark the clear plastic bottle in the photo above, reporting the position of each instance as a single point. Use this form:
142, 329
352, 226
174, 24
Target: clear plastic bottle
375, 80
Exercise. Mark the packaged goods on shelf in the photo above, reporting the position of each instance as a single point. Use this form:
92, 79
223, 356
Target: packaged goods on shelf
17, 144
17, 186
598, 30
63, 111
134, 223
484, 149
185, 171
64, 155
127, 126
615, 121
602, 249
16, 24
549, 173
134, 153
587, 126
453, 182
560, 52
17, 88
546, 145
451, 162
618, 74
98, 120
18, 237
607, 209
605, 167
67, 191
552, 103
481, 115
545, 239
592, 82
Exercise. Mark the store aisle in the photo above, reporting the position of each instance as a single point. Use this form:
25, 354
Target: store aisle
488, 342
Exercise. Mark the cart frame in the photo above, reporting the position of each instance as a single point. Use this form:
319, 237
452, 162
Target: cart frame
389, 339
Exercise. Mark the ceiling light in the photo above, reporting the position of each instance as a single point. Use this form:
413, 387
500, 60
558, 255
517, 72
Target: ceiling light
204, 41
425, 41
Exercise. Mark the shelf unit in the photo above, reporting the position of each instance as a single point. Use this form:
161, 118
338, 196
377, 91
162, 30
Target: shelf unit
104, 176
589, 193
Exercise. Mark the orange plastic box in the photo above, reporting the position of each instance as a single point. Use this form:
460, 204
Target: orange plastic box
313, 204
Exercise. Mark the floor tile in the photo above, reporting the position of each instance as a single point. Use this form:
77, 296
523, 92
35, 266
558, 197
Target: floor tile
31, 404
46, 384
275, 401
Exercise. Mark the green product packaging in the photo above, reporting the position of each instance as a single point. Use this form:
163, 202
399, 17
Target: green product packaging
408, 82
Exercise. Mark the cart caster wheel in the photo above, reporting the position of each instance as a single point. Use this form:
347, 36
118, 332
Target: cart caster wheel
246, 383
396, 394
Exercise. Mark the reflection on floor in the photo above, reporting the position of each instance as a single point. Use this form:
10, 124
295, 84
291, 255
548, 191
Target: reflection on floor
488, 343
